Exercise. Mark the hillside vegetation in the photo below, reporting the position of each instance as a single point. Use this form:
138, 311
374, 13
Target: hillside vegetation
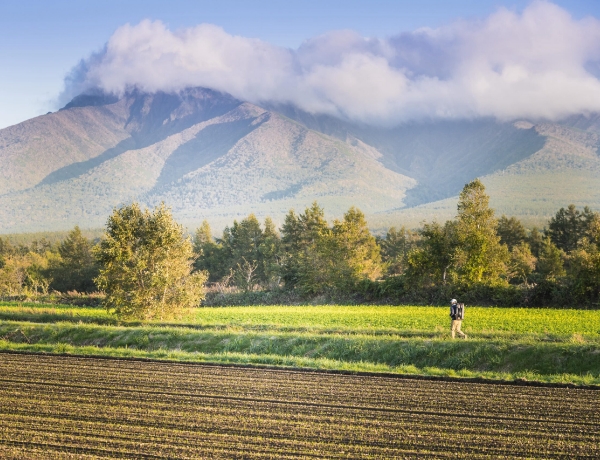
209, 156
565, 170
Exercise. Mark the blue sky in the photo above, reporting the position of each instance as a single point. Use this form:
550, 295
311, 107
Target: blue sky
41, 41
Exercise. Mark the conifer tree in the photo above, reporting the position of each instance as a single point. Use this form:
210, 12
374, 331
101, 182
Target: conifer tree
569, 226
535, 240
395, 247
241, 243
550, 263
76, 267
291, 240
305, 240
210, 255
511, 231
314, 252
270, 255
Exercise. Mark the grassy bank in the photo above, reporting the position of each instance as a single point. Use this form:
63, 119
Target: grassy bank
544, 345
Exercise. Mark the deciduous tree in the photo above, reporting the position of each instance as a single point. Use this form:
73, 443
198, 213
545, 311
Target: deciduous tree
146, 265
432, 262
479, 257
522, 262
584, 268
356, 255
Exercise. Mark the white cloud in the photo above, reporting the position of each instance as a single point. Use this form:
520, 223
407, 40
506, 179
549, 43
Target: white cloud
529, 65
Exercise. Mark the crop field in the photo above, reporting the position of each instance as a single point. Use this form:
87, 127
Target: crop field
68, 407
547, 345
368, 318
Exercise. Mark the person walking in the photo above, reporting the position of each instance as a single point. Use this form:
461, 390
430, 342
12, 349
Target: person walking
457, 313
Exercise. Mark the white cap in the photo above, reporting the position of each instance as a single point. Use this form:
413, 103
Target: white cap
453, 301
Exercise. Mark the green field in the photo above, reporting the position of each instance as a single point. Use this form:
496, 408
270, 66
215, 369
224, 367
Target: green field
535, 344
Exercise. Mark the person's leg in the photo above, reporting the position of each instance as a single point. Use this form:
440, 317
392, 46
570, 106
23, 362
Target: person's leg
461, 333
453, 327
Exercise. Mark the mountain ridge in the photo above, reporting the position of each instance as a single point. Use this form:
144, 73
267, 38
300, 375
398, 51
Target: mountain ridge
209, 155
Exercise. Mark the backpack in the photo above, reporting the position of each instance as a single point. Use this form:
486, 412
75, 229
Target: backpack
460, 311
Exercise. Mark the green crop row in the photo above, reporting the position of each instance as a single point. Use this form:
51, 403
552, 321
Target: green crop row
346, 319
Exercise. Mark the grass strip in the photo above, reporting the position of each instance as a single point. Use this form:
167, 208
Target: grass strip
405, 321
533, 360
298, 362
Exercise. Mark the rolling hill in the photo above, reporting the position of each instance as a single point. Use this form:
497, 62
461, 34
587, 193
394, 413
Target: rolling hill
208, 155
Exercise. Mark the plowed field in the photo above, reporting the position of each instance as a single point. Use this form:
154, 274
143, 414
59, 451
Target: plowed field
66, 407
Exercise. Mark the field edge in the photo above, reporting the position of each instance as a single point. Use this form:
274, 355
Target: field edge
434, 374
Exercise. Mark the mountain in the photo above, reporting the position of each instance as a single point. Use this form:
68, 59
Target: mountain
442, 156
208, 155
565, 170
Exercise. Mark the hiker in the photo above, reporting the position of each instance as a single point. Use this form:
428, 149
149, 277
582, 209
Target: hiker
457, 313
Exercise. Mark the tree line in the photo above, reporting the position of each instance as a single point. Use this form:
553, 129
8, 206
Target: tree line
476, 255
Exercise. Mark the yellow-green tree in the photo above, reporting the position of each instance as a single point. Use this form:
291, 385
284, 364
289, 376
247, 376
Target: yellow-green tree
522, 262
25, 274
146, 265
585, 271
355, 255
479, 256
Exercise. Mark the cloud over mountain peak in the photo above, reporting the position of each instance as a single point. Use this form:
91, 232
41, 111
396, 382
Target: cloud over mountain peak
540, 63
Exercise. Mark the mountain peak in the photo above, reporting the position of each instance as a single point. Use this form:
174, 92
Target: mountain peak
91, 100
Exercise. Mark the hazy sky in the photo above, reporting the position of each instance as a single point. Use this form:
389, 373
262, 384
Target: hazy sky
42, 41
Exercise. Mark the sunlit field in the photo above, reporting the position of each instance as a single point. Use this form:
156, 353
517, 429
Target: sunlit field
503, 343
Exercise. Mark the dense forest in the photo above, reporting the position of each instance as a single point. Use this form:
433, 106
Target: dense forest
476, 256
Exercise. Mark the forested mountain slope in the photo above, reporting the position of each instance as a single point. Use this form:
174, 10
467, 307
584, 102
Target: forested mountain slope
211, 156
442, 156
208, 155
565, 170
